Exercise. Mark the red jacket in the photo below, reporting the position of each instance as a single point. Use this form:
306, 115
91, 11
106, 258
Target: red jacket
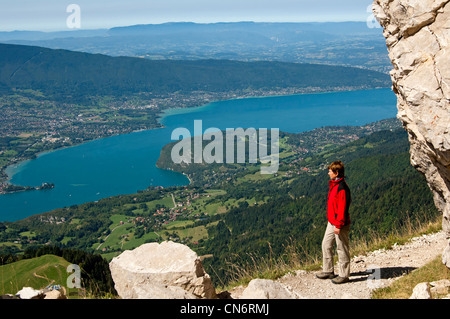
338, 203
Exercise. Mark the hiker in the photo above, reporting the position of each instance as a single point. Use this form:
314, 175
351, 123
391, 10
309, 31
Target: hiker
338, 227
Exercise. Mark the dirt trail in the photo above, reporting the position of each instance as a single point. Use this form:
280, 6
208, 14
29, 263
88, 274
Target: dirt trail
375, 270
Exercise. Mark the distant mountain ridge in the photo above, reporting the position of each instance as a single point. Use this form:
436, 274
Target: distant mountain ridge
336, 43
268, 28
264, 28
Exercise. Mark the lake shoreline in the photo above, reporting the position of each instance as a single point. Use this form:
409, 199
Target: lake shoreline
6, 175
250, 113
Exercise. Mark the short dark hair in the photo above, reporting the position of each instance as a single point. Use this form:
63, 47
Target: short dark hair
338, 168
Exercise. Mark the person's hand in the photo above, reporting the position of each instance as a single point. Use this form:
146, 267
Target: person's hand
337, 231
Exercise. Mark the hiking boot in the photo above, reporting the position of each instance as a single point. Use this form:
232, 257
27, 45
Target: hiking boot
340, 280
326, 275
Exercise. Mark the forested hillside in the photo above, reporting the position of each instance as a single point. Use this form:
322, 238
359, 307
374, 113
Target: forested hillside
75, 75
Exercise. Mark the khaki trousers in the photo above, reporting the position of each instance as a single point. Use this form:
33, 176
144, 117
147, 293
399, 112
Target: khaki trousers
343, 250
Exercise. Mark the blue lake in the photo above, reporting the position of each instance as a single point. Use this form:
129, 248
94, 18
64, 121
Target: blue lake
125, 164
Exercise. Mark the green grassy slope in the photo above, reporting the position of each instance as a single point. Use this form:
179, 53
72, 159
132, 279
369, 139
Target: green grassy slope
36, 273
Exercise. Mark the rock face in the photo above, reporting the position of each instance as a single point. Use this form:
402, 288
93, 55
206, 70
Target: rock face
160, 271
417, 35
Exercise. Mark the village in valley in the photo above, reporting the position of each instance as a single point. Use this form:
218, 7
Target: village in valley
162, 219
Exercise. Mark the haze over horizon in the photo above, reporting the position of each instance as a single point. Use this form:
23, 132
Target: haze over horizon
52, 15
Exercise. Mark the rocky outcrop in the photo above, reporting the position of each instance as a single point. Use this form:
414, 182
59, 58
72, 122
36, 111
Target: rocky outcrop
161, 271
417, 35
426, 290
31, 293
421, 291
268, 289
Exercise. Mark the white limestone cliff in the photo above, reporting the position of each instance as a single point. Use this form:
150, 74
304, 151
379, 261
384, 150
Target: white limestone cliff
417, 35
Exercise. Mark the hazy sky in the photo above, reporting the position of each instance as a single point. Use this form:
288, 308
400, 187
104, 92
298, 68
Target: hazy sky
50, 15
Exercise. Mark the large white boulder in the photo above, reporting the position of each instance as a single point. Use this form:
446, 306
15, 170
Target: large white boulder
161, 271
